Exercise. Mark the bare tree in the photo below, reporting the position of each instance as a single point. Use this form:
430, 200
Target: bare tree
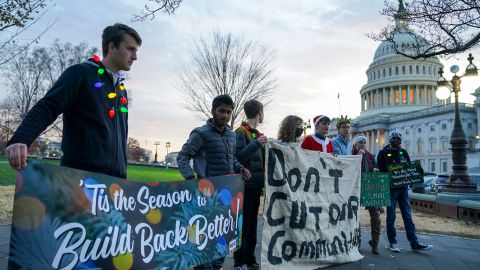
134, 151
149, 11
25, 75
227, 65
16, 16
440, 27
60, 56
35, 71
6, 123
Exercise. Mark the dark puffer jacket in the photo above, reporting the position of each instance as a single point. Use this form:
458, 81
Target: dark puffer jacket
389, 156
251, 154
212, 151
91, 141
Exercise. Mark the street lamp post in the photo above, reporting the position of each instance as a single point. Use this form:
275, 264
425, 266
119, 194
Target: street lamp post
167, 145
157, 143
306, 125
459, 180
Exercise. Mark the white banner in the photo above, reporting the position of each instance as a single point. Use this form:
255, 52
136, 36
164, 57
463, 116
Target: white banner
311, 209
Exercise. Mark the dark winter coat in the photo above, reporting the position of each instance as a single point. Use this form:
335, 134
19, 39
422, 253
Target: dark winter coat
388, 156
91, 140
250, 154
212, 151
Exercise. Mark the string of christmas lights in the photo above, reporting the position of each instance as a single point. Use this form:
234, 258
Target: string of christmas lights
113, 93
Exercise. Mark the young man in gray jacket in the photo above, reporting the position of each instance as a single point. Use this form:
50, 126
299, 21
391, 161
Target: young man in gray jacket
341, 143
212, 148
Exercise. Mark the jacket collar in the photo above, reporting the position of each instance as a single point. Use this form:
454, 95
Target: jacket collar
98, 65
212, 125
390, 148
95, 64
319, 136
344, 140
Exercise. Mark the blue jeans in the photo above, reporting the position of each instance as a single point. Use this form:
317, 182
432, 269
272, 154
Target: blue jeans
400, 196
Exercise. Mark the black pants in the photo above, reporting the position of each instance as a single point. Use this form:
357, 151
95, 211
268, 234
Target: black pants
251, 202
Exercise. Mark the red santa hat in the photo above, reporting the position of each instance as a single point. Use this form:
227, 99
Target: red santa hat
317, 119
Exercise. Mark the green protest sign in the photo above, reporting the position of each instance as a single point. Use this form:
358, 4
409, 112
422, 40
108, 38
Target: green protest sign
405, 174
375, 189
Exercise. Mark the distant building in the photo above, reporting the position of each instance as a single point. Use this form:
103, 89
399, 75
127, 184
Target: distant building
50, 148
400, 94
172, 159
148, 155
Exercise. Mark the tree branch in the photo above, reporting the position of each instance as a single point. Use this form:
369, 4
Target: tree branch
166, 6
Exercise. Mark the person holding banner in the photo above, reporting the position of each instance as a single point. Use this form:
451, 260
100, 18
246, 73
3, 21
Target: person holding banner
359, 147
251, 153
341, 143
212, 148
291, 128
319, 141
93, 100
391, 154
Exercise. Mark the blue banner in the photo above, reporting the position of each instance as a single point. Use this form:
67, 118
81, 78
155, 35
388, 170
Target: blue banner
70, 219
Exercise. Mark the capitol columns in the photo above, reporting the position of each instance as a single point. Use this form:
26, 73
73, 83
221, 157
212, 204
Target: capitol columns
425, 97
361, 103
385, 97
378, 143
408, 94
414, 94
392, 95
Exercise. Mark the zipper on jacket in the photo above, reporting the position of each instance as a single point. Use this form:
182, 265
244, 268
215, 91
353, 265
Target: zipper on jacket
227, 153
115, 135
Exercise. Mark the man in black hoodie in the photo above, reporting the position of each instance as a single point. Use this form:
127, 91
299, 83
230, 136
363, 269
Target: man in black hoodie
93, 99
391, 154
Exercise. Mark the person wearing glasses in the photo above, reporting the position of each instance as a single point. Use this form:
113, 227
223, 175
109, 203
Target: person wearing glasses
341, 143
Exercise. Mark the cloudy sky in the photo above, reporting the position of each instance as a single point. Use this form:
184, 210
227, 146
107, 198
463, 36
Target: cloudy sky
321, 50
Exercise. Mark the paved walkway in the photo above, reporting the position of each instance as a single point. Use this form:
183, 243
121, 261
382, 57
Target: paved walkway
449, 253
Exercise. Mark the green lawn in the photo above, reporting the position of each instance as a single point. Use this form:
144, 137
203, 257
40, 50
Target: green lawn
135, 173
151, 174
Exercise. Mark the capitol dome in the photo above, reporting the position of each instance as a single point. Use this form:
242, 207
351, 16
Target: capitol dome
397, 84
405, 40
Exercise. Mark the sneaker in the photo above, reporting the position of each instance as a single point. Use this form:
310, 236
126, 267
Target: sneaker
422, 247
254, 266
393, 248
243, 267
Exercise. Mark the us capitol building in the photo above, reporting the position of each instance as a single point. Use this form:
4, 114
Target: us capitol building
400, 94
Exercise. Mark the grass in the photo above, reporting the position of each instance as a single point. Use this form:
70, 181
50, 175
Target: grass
136, 173
151, 174
428, 223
